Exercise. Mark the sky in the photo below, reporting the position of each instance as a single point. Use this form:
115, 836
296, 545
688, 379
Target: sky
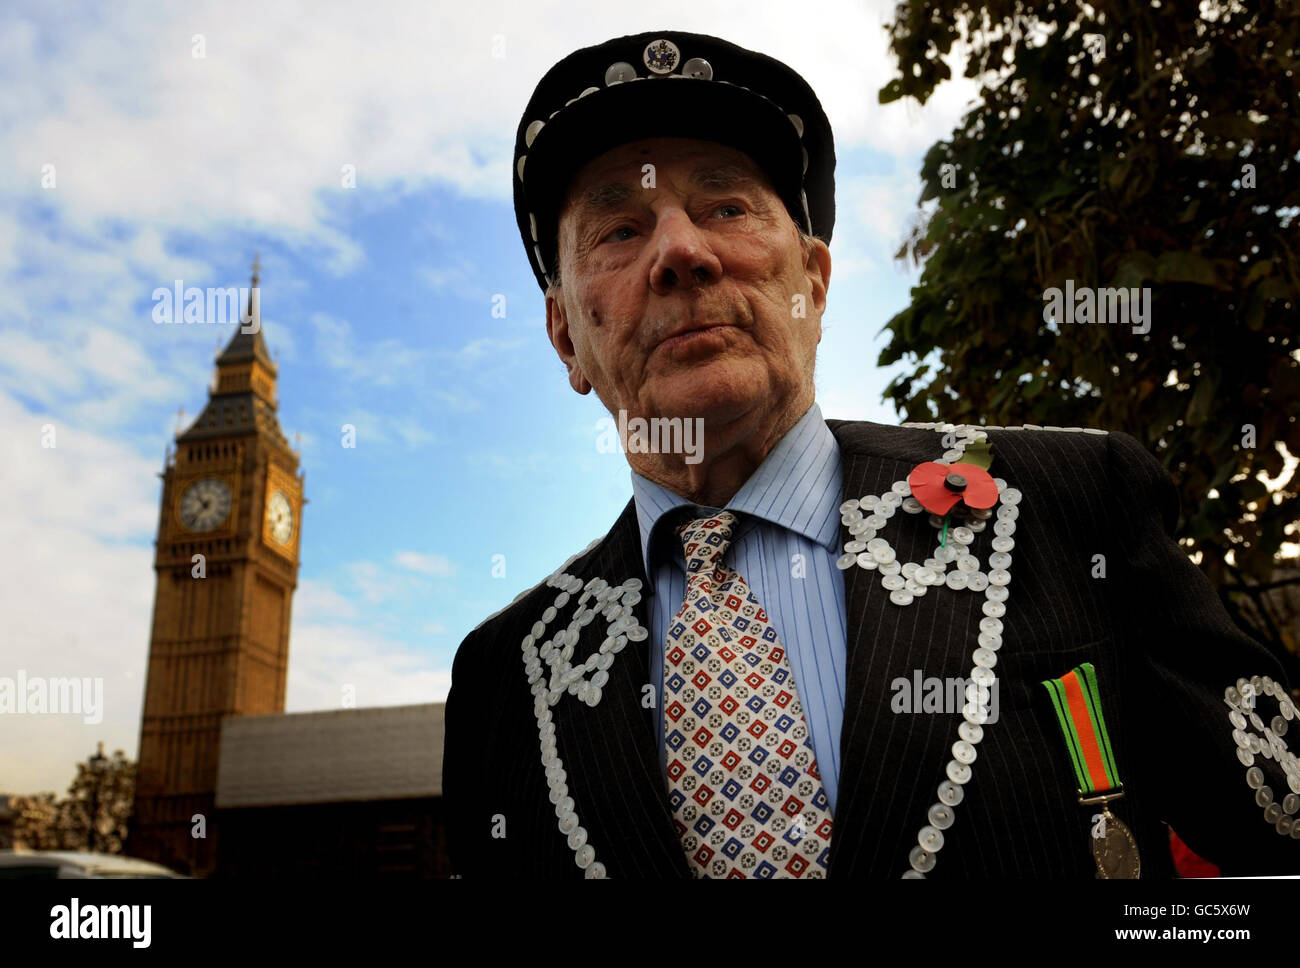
127, 163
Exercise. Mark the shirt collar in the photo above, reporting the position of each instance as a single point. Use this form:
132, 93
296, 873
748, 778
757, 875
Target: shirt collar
796, 487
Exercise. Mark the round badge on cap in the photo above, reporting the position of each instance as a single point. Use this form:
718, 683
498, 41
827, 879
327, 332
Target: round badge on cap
661, 56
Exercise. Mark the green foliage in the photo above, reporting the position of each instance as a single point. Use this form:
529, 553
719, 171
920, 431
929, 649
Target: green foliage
1169, 161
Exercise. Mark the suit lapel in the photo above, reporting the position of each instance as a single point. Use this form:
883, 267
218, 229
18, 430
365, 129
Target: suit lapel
890, 763
609, 751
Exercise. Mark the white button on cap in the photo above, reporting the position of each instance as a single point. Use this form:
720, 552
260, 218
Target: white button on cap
577, 837
699, 68
797, 122
901, 597
956, 580
845, 560
958, 772
950, 793
930, 839
530, 133
595, 872
585, 856
911, 875
970, 732
963, 752
618, 72
569, 823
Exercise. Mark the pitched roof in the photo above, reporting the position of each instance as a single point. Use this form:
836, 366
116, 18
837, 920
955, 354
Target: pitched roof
382, 753
246, 346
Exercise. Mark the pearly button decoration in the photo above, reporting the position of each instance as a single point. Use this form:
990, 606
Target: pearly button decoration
907, 581
615, 603
1279, 808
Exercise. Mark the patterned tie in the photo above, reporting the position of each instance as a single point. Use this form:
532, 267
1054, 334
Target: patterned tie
743, 784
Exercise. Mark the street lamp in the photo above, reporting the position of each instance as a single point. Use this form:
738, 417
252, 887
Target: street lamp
98, 764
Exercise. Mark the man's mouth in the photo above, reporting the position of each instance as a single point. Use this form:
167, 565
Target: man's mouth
690, 334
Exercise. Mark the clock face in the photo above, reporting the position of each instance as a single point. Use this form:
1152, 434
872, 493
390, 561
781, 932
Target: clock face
205, 504
279, 516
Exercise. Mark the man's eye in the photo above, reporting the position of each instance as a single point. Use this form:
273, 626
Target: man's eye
739, 210
621, 228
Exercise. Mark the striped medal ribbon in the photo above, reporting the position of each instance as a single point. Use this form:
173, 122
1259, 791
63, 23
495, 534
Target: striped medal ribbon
1077, 701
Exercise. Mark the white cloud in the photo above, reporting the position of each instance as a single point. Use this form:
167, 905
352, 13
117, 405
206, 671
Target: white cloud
76, 587
326, 658
426, 564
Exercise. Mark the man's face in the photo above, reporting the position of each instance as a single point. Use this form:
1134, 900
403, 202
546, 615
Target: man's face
680, 299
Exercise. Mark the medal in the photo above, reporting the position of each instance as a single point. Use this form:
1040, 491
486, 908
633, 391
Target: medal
1077, 701
1113, 847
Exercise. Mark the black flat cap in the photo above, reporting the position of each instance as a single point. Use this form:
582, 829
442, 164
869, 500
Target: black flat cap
669, 83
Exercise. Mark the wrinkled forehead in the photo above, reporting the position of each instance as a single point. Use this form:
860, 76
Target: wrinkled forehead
614, 176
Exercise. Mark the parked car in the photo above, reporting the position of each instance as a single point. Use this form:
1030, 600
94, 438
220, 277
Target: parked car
54, 864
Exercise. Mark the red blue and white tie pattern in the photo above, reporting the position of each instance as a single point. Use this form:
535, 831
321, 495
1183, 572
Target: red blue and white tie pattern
746, 796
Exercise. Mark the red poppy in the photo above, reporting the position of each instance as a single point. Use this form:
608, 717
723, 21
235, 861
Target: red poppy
941, 487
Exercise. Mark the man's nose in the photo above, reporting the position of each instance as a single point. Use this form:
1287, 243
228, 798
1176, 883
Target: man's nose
683, 257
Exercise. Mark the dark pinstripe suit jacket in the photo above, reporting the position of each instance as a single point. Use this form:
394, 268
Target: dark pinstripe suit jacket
1163, 647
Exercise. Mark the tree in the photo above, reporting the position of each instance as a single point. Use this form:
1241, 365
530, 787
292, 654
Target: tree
1118, 145
94, 815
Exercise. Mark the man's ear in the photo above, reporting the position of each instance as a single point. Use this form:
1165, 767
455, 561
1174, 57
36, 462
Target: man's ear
557, 331
817, 266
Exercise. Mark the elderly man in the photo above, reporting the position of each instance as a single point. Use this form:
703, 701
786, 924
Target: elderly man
748, 675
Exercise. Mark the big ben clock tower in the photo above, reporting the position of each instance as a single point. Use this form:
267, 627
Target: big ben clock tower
227, 566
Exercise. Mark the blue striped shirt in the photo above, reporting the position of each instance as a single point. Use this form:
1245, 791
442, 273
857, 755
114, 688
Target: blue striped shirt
786, 542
